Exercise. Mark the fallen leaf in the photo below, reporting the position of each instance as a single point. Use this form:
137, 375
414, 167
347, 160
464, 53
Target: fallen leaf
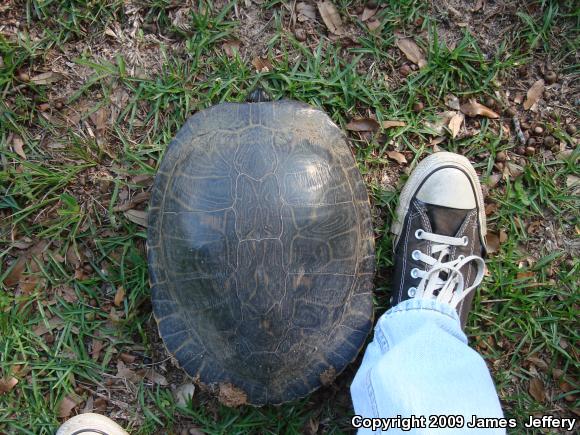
452, 101
97, 347
46, 78
391, 124
100, 405
135, 201
473, 108
493, 180
42, 328
126, 373
412, 51
138, 217
67, 404
540, 363
156, 378
492, 242
305, 11
184, 393
18, 147
397, 156
231, 47
534, 94
127, 358
513, 170
7, 384
73, 257
368, 13
573, 183
523, 275
99, 119
119, 296
373, 24
262, 64
536, 389
455, 124
15, 274
363, 124
502, 236
330, 16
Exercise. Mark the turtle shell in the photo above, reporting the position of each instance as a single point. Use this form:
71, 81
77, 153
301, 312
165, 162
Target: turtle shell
261, 251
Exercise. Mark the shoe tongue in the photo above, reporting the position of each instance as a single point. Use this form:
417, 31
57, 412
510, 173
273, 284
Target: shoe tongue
444, 220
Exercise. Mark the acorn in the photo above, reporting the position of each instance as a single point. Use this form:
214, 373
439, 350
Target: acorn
538, 130
531, 141
512, 111
571, 129
418, 107
551, 77
549, 141
500, 156
372, 4
405, 70
300, 34
490, 102
521, 150
24, 77
530, 151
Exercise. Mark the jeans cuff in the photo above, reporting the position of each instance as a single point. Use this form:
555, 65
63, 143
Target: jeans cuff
424, 304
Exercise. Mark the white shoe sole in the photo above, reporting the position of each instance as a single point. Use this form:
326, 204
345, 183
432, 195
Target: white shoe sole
90, 424
423, 169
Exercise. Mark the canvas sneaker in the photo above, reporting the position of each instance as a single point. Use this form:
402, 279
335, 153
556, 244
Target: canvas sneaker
440, 234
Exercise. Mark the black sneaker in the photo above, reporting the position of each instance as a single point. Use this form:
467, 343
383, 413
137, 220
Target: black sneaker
440, 234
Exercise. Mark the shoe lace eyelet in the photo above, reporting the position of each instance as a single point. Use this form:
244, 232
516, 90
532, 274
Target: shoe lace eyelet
414, 272
412, 292
461, 257
415, 255
419, 234
465, 240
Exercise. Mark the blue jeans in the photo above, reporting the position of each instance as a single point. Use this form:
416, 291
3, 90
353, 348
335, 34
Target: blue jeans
419, 364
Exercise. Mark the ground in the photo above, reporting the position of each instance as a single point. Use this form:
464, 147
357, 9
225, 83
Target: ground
92, 93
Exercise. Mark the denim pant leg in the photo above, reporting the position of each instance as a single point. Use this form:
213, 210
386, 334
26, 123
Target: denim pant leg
419, 364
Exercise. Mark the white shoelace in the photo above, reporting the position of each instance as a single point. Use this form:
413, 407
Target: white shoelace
451, 289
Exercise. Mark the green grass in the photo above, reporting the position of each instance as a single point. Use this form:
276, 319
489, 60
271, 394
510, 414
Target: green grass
66, 196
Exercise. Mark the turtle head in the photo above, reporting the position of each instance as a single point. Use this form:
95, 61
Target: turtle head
258, 95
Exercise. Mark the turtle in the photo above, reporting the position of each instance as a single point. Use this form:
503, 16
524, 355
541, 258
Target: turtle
261, 251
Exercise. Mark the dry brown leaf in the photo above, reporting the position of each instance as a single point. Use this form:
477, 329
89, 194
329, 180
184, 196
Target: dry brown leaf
392, 123
534, 94
331, 17
73, 257
119, 296
231, 47
135, 201
138, 217
368, 13
127, 358
305, 11
473, 108
502, 236
99, 119
536, 389
18, 147
452, 102
126, 373
513, 170
397, 157
373, 24
492, 242
15, 274
54, 323
46, 78
363, 124
261, 64
455, 124
7, 384
97, 347
67, 404
155, 377
540, 363
184, 393
412, 51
